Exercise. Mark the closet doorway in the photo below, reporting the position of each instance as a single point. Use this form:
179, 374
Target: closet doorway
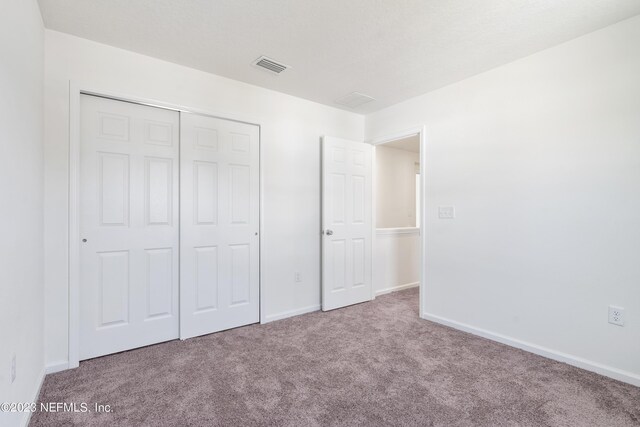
167, 226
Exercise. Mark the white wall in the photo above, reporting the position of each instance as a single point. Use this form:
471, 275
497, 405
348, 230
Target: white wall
291, 130
21, 210
395, 187
396, 256
541, 159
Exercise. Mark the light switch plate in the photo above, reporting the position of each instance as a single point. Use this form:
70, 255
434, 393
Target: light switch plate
446, 212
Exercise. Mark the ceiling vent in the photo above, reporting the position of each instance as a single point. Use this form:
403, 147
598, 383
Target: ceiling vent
269, 65
354, 100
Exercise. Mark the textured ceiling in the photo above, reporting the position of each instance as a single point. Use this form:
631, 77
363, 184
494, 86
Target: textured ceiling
389, 49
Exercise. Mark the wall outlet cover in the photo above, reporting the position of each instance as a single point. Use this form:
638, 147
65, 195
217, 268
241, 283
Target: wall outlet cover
616, 315
446, 212
13, 368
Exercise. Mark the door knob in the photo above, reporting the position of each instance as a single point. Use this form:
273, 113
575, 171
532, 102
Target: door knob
329, 232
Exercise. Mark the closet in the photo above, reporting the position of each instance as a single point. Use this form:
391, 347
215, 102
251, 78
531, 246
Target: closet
169, 225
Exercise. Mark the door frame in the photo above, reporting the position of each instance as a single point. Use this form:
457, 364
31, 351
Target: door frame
76, 90
421, 132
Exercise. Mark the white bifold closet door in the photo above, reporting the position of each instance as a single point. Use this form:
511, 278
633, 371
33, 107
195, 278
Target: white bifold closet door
219, 260
128, 226
346, 222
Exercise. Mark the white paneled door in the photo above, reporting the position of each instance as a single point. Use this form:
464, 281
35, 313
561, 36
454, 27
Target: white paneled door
128, 226
219, 237
346, 222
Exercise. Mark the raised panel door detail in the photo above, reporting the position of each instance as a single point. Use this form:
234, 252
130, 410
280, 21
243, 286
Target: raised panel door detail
339, 252
206, 192
207, 139
358, 158
358, 199
114, 189
158, 191
113, 126
113, 282
338, 198
337, 155
240, 267
240, 143
206, 278
358, 262
159, 133
219, 281
347, 222
240, 193
128, 226
159, 282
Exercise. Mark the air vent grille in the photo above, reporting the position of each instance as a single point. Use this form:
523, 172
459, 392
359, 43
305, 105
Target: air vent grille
270, 65
354, 100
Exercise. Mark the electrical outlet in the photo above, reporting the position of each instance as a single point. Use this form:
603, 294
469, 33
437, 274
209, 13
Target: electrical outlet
616, 315
13, 369
446, 212
297, 277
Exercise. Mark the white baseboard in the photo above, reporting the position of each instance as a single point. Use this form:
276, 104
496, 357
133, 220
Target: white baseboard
608, 371
26, 417
397, 288
54, 367
291, 313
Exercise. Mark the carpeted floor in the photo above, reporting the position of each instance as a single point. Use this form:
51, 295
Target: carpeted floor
371, 364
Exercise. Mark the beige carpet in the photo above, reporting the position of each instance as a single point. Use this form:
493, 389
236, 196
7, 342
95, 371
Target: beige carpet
371, 364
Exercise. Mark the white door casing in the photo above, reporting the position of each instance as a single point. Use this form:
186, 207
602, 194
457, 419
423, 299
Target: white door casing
219, 230
346, 222
128, 215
